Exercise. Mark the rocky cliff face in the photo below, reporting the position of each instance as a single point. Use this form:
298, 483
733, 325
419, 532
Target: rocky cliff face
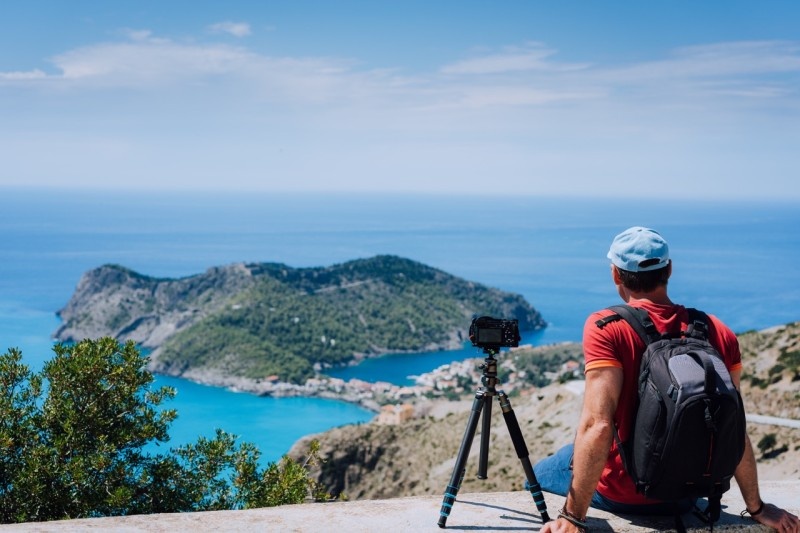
114, 301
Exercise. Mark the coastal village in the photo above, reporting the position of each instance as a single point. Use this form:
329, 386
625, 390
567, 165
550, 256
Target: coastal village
395, 404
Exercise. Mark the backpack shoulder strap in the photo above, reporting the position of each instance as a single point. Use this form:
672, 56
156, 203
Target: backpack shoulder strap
638, 319
698, 324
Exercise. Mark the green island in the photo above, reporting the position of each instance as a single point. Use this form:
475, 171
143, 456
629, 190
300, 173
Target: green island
269, 321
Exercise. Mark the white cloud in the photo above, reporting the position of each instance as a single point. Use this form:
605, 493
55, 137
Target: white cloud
748, 57
513, 59
237, 29
720, 61
150, 63
23, 76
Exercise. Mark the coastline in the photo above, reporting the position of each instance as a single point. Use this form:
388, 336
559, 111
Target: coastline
457, 377
359, 392
367, 394
371, 395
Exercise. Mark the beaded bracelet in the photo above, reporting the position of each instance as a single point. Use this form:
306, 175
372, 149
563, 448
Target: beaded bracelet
574, 520
753, 513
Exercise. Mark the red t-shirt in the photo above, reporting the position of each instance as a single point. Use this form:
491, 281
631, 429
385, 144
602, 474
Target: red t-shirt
618, 345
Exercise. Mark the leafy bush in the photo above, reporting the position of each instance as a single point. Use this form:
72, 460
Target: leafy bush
756, 381
767, 442
776, 370
72, 438
791, 359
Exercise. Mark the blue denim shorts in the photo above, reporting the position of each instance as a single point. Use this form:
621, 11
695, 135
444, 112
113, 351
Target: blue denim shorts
555, 473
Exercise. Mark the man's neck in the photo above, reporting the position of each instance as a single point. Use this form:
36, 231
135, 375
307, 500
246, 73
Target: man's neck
658, 297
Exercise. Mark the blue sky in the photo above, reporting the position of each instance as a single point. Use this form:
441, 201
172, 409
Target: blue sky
622, 99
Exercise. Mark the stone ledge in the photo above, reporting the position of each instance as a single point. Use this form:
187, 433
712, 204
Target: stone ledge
497, 511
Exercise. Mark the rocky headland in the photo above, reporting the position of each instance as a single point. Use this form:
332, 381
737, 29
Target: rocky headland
252, 326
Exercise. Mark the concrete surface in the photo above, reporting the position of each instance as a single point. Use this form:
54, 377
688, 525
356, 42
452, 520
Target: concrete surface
499, 511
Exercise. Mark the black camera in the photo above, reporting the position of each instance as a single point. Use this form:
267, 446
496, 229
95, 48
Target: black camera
493, 333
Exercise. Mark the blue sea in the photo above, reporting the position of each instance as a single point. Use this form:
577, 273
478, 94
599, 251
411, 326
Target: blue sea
736, 260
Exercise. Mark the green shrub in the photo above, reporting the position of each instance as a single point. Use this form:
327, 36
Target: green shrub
72, 439
767, 442
776, 369
791, 360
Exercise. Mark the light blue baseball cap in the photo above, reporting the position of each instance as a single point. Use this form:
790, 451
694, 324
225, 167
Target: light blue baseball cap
639, 249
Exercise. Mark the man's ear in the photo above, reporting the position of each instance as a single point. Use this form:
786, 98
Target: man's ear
669, 267
615, 275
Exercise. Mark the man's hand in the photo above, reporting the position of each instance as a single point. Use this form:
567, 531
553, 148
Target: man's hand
560, 525
776, 518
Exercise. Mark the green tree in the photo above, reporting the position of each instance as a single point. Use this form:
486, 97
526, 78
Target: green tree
72, 440
20, 448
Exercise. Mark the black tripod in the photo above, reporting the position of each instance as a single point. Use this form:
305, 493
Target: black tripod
483, 405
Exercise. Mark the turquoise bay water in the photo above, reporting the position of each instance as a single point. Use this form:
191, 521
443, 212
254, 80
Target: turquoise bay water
738, 261
401, 368
274, 424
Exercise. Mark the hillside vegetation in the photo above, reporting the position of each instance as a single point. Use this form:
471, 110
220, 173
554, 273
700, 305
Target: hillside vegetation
267, 319
417, 457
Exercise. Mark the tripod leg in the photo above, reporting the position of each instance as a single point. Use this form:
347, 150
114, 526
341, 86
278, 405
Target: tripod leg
486, 426
522, 453
457, 477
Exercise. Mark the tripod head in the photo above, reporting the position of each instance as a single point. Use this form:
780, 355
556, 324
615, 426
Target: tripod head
489, 378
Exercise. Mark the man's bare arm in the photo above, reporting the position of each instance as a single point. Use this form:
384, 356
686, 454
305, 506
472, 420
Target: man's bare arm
592, 441
747, 478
